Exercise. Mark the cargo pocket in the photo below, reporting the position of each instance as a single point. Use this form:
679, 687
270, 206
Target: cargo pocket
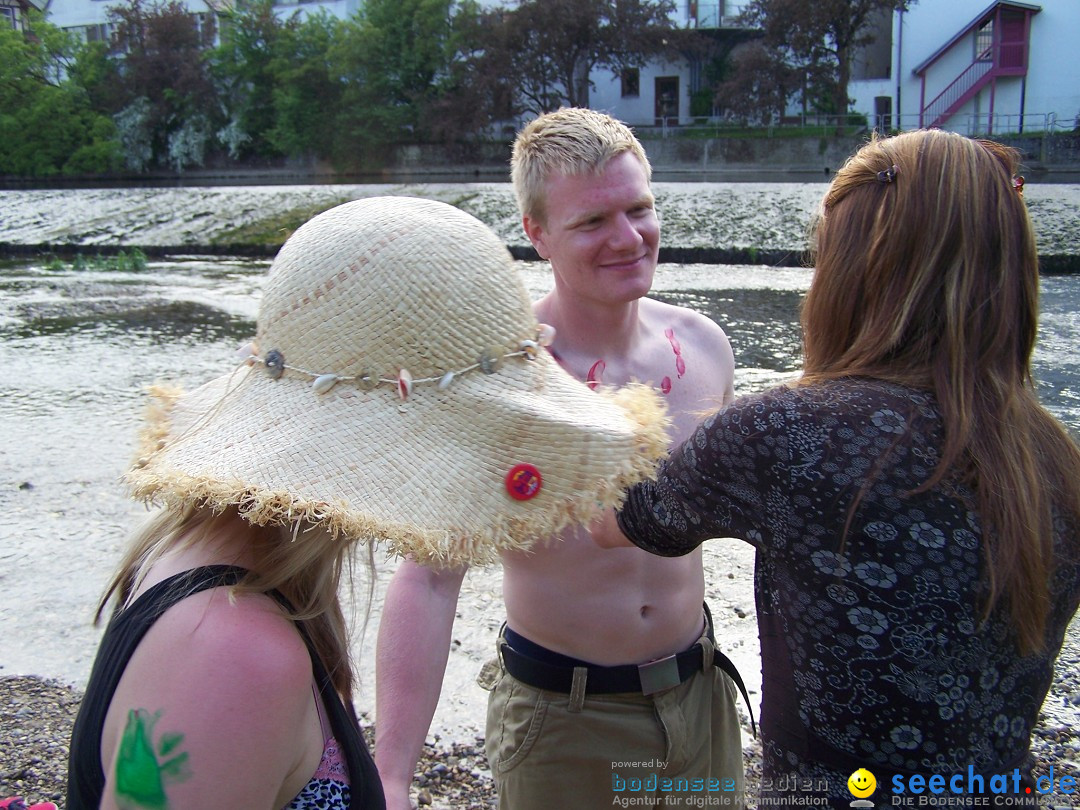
515, 718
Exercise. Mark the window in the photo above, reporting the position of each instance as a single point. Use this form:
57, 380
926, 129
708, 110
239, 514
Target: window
631, 83
984, 42
7, 17
97, 33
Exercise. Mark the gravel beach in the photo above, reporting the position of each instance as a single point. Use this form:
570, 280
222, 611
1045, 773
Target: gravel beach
36, 718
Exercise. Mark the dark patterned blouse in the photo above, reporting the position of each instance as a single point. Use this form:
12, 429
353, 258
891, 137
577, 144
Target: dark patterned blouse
873, 651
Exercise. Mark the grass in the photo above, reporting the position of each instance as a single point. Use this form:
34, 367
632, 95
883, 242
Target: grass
126, 261
273, 230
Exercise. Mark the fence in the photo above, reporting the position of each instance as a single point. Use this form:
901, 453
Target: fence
726, 126
970, 124
985, 124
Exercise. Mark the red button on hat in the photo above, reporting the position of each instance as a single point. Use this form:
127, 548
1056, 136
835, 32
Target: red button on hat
523, 482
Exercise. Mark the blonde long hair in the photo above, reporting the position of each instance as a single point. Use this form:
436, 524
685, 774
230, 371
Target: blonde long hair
302, 562
927, 275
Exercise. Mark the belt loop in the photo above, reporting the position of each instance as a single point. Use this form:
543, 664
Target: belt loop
708, 650
577, 689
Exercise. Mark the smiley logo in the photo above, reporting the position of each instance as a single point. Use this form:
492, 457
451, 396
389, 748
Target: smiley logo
861, 783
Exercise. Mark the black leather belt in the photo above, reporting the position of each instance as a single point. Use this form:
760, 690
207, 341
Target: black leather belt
646, 679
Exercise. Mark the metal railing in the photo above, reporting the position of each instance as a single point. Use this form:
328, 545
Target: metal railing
718, 126
972, 124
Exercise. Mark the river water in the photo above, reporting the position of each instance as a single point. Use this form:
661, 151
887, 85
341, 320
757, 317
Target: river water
77, 347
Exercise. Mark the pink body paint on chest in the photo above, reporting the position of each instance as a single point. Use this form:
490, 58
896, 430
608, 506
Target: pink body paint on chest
596, 374
680, 364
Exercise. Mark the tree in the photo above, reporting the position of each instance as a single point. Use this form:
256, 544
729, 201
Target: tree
241, 65
164, 61
820, 37
307, 94
394, 60
757, 85
477, 89
551, 47
47, 123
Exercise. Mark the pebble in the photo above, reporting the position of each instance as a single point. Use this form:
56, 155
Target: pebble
36, 717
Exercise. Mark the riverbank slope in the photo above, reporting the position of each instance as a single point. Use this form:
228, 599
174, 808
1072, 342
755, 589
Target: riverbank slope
709, 223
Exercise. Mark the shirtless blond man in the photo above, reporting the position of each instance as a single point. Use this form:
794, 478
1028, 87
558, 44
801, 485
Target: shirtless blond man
575, 700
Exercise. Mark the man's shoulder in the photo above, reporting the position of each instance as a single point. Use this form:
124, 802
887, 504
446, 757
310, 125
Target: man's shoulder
682, 323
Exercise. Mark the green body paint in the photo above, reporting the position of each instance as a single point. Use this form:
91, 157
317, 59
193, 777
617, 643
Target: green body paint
140, 775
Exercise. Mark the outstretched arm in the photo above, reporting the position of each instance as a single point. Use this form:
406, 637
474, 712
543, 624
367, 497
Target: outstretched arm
410, 660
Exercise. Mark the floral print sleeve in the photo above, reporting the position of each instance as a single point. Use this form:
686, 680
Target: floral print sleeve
720, 482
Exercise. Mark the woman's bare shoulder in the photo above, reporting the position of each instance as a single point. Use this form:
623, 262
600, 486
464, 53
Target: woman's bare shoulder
225, 685
249, 633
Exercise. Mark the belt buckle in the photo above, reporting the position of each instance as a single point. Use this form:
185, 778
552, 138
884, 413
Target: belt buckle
658, 675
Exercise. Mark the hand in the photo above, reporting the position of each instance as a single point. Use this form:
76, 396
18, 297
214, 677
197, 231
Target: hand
605, 532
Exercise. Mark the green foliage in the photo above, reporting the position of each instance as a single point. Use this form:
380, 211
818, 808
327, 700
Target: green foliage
305, 98
280, 90
243, 69
818, 41
273, 230
166, 72
310, 86
125, 261
393, 59
701, 102
47, 124
97, 75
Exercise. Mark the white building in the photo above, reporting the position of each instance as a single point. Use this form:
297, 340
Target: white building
91, 19
661, 93
13, 12
974, 66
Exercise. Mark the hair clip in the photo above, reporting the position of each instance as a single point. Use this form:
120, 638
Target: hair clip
1018, 184
886, 176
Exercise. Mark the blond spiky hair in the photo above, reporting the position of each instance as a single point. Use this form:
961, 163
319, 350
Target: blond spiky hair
571, 141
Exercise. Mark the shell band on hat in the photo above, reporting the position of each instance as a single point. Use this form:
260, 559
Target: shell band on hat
394, 384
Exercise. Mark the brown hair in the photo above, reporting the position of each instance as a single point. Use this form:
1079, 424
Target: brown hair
572, 141
927, 275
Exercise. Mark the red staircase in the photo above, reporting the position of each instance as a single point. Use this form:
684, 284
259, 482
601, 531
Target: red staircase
1000, 40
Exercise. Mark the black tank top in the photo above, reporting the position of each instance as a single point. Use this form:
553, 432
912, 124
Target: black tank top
86, 781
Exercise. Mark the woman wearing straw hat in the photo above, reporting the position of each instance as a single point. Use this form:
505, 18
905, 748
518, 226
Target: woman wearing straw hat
916, 511
395, 394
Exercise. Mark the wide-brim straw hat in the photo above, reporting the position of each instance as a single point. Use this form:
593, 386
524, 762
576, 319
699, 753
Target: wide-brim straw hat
398, 392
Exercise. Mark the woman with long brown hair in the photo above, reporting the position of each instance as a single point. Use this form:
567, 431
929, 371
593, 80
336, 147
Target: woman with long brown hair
914, 508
